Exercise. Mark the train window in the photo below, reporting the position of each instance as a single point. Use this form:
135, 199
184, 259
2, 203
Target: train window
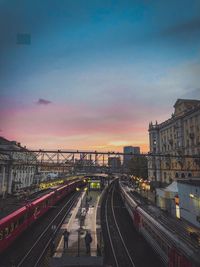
6, 232
16, 224
21, 220
1, 235
30, 213
12, 227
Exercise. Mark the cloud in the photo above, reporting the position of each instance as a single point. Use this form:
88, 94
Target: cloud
42, 101
193, 93
186, 29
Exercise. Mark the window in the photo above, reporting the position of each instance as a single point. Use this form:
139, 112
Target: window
30, 213
1, 235
21, 220
12, 227
16, 224
6, 232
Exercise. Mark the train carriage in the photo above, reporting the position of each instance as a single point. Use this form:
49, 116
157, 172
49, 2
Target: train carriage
176, 259
12, 226
38, 207
172, 251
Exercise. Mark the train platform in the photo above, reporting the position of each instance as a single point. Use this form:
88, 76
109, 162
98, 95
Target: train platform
85, 217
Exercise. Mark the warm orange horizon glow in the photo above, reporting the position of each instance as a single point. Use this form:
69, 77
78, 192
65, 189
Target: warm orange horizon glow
144, 148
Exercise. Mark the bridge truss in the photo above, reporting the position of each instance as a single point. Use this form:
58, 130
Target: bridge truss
61, 160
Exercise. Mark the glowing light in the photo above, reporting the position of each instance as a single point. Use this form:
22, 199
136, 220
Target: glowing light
178, 214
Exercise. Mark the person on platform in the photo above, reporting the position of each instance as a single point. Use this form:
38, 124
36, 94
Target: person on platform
66, 238
88, 241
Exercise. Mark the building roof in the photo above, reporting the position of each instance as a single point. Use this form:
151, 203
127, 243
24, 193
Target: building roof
5, 144
180, 100
4, 141
193, 182
172, 187
192, 106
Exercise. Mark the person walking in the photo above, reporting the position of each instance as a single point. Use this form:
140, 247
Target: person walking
88, 241
66, 238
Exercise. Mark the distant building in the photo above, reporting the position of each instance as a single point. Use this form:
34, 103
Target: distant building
181, 199
130, 150
178, 136
14, 175
84, 164
189, 199
165, 199
114, 164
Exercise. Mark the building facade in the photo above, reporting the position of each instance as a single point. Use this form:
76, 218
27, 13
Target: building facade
3, 173
114, 164
177, 140
130, 150
189, 200
15, 174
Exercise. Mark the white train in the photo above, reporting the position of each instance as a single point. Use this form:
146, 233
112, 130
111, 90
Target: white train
173, 251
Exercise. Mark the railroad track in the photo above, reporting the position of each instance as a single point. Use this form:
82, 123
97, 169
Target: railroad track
123, 245
120, 252
32, 253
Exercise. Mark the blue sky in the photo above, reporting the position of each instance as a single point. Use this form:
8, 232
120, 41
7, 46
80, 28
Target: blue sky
116, 64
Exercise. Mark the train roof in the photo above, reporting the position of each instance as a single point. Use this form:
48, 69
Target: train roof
96, 176
178, 229
194, 181
70, 182
38, 200
13, 215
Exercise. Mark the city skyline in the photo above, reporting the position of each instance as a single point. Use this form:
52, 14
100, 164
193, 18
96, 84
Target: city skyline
95, 73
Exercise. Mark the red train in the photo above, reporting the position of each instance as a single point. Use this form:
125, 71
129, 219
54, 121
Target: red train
173, 251
15, 223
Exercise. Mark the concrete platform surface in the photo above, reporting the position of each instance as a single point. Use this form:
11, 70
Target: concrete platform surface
66, 261
83, 218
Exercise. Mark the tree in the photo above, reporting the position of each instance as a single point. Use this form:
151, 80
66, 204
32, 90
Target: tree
138, 166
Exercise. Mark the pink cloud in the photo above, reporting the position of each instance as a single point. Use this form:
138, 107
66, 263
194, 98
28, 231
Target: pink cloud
107, 122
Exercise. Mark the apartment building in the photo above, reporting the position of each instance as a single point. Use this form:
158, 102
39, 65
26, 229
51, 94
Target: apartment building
175, 144
16, 171
130, 150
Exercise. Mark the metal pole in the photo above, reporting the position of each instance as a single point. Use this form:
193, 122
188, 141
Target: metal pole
78, 242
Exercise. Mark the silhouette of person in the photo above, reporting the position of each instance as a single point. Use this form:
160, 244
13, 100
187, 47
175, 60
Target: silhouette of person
66, 238
88, 241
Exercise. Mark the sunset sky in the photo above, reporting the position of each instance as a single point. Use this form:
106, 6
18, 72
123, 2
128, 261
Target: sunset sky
95, 73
